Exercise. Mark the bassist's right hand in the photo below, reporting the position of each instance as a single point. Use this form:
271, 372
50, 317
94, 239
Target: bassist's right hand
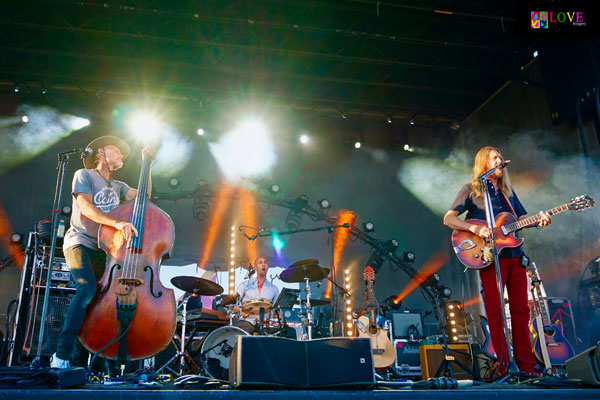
126, 228
480, 230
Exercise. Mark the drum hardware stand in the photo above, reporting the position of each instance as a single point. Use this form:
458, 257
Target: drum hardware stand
491, 222
335, 295
63, 160
181, 352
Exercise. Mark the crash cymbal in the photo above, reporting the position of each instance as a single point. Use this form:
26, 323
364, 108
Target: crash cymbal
316, 302
308, 261
253, 307
300, 273
192, 284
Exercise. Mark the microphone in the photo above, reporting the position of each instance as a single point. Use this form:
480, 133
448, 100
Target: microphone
86, 152
83, 150
503, 164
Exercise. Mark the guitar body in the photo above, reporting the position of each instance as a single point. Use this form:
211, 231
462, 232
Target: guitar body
382, 347
475, 252
559, 349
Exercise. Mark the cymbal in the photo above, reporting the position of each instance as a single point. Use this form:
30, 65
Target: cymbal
299, 273
253, 307
308, 261
192, 284
316, 302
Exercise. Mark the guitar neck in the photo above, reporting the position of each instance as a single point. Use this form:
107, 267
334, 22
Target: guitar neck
522, 223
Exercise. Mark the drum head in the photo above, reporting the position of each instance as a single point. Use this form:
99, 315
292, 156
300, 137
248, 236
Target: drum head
216, 350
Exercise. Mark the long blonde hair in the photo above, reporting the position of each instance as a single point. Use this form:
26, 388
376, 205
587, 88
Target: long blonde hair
479, 167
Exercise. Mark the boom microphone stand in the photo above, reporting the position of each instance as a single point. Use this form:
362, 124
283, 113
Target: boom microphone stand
491, 223
63, 160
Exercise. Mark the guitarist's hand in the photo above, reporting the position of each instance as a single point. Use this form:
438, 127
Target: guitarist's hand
546, 219
480, 230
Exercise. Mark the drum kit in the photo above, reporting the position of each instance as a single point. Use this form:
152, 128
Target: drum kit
216, 346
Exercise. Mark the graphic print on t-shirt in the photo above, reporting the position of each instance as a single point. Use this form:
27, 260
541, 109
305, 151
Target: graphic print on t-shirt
106, 199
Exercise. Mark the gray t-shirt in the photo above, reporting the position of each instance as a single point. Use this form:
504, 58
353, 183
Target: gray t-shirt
106, 195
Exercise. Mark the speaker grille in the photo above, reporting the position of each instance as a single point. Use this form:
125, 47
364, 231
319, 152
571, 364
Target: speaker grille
55, 318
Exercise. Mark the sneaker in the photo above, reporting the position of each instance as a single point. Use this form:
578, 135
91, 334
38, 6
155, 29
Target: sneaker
56, 362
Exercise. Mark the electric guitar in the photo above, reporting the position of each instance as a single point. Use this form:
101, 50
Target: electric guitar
476, 252
549, 344
382, 347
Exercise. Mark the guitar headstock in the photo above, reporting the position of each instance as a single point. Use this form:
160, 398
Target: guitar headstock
581, 203
369, 274
533, 273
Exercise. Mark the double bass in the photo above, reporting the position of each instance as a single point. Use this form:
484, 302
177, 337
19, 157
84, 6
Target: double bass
133, 316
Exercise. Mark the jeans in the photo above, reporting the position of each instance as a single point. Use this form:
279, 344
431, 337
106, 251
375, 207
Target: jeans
87, 266
514, 277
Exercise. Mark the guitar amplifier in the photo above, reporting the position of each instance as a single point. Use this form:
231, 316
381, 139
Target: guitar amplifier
408, 361
432, 356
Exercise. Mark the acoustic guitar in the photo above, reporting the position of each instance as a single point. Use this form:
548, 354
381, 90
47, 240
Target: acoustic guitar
476, 252
382, 347
549, 344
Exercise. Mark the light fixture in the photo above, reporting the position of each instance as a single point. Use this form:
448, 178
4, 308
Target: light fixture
344, 114
294, 217
304, 139
389, 119
408, 257
535, 54
408, 148
66, 210
16, 239
357, 144
174, 183
455, 318
348, 312
369, 226
16, 89
232, 262
200, 132
411, 121
25, 118
200, 206
324, 205
275, 190
44, 91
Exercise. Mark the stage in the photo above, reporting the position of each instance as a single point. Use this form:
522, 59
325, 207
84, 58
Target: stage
506, 392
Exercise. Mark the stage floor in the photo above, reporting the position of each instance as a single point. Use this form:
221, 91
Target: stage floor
131, 392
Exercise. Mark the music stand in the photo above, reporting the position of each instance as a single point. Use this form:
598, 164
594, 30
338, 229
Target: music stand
287, 298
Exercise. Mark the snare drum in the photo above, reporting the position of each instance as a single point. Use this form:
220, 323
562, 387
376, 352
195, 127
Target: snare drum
216, 350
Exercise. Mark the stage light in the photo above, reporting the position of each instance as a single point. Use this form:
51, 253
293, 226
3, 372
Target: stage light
294, 217
369, 226
16, 89
324, 205
408, 148
275, 189
391, 246
144, 125
412, 121
25, 118
16, 239
389, 119
344, 114
535, 54
200, 132
44, 91
245, 152
304, 139
277, 243
408, 257
79, 123
357, 144
174, 183
66, 210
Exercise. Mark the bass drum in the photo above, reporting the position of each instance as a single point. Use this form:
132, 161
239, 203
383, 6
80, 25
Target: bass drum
216, 350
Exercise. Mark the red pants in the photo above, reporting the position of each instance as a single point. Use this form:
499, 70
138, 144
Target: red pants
514, 278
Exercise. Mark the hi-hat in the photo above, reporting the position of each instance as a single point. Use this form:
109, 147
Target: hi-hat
195, 285
299, 273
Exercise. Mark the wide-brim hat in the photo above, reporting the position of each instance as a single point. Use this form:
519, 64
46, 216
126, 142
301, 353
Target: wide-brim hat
102, 141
